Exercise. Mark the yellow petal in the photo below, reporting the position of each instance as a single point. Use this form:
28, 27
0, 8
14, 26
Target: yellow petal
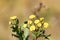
32, 28
36, 21
24, 25
32, 16
29, 22
46, 25
42, 18
39, 24
13, 17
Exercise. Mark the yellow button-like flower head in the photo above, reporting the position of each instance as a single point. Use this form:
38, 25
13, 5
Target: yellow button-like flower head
46, 25
32, 28
36, 21
13, 17
42, 18
32, 16
29, 22
24, 25
39, 24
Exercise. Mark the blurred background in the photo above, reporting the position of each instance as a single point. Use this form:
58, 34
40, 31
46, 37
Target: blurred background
22, 9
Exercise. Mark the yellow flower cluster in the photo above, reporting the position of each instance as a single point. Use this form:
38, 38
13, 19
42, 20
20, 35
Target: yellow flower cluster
37, 22
33, 22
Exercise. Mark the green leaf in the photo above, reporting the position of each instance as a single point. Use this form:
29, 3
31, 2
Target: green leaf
15, 35
21, 27
34, 36
26, 33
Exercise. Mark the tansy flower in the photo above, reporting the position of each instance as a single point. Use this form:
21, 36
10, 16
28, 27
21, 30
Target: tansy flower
29, 22
32, 28
32, 16
13, 17
24, 25
39, 24
42, 18
36, 21
45, 25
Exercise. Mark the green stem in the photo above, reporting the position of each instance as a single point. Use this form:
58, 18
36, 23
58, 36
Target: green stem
20, 38
35, 39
